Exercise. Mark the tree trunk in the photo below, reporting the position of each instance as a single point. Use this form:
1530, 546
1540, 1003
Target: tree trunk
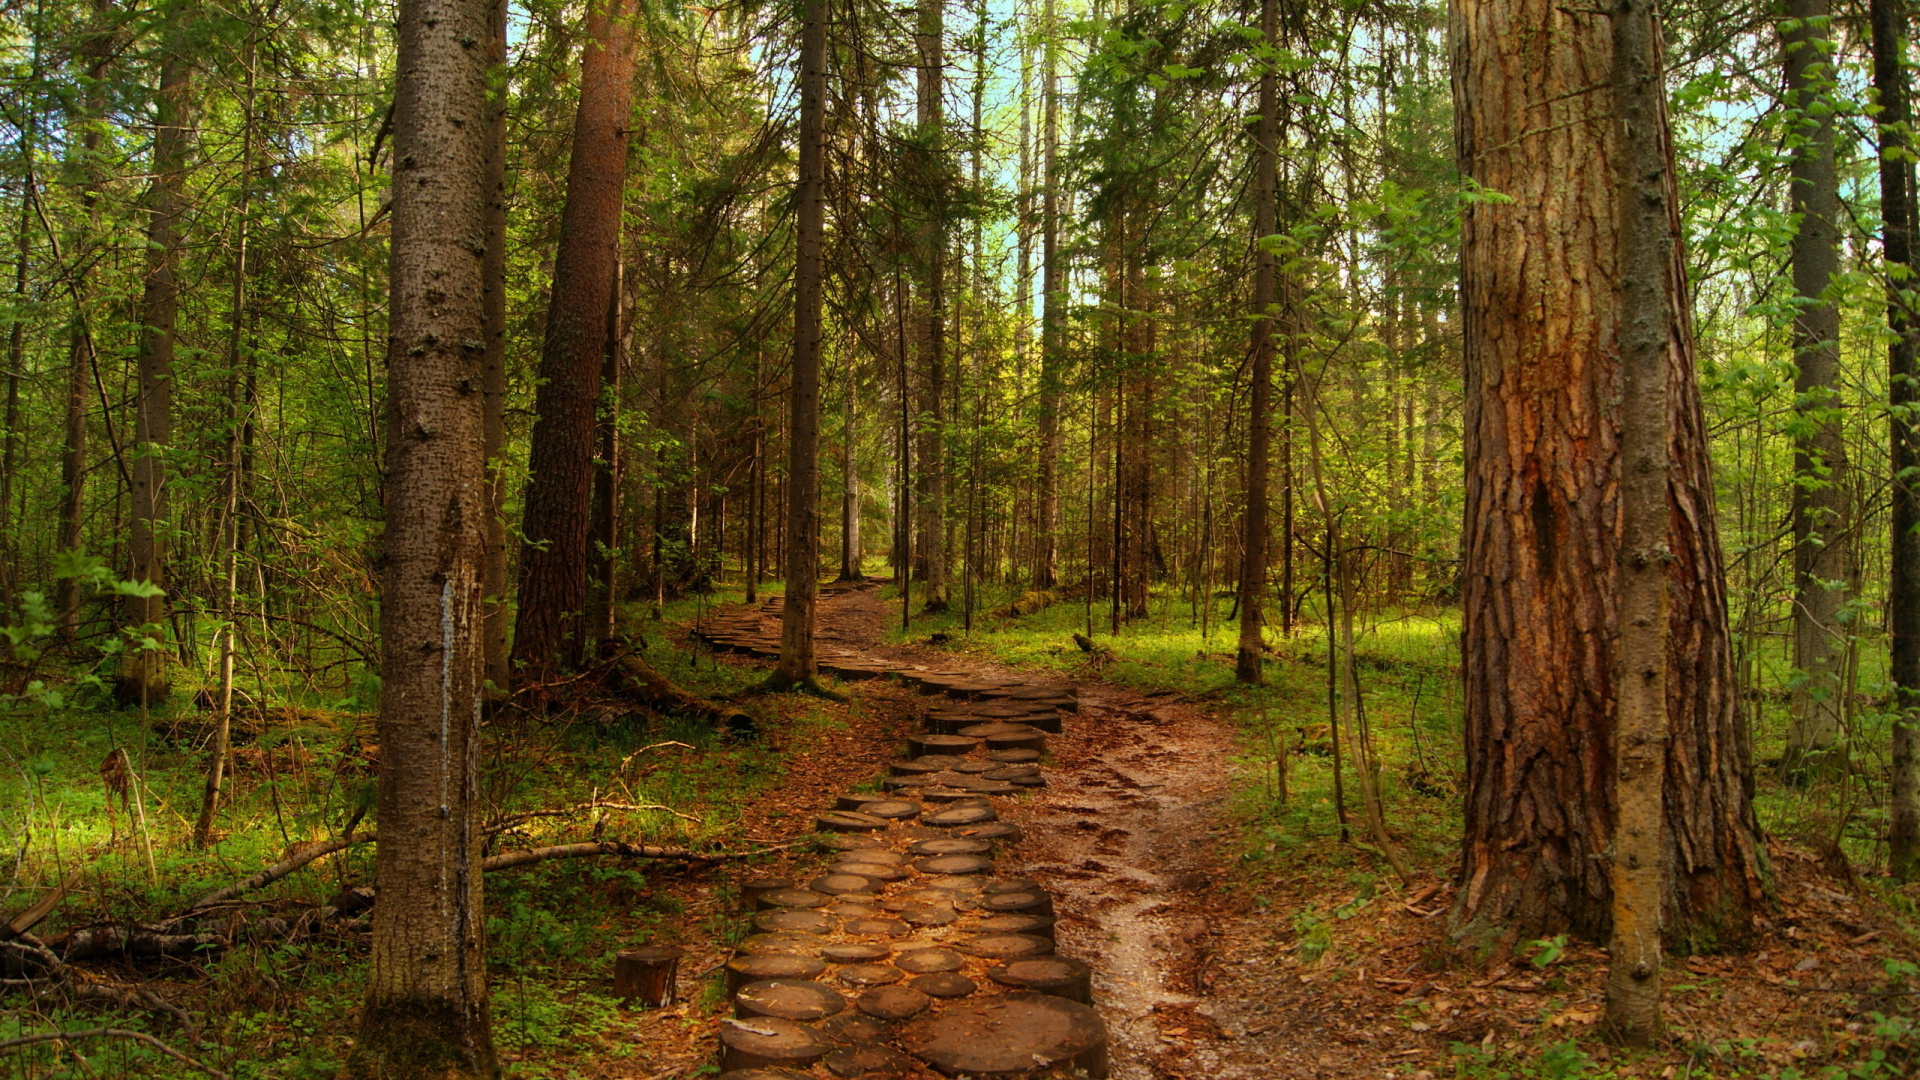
1889, 19
1052, 310
603, 593
1541, 293
1253, 525
851, 556
797, 666
495, 629
929, 34
548, 633
143, 678
1648, 250
1821, 542
426, 1015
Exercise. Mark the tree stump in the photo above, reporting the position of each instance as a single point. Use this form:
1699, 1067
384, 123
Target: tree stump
870, 871
787, 999
791, 898
868, 1060
1006, 946
929, 961
780, 944
839, 884
855, 953
867, 976
875, 856
891, 1002
944, 745
1011, 1036
793, 921
1057, 975
1037, 925
954, 864
890, 809
647, 976
742, 970
1019, 902
925, 764
849, 821
848, 842
947, 845
1030, 739
993, 830
769, 1042
752, 889
960, 815
1013, 757
944, 984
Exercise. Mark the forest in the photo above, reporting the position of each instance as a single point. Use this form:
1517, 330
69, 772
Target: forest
1159, 539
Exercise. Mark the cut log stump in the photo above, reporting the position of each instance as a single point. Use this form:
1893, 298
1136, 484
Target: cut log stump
769, 1042
1057, 975
742, 970
1009, 1036
647, 976
752, 889
787, 999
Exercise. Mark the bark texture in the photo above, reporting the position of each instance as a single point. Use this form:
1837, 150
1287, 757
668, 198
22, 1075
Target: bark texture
495, 626
1541, 303
1052, 313
548, 633
929, 39
426, 1010
1253, 529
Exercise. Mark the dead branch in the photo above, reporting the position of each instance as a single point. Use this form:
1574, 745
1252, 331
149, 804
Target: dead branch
141, 1037
528, 856
514, 820
278, 870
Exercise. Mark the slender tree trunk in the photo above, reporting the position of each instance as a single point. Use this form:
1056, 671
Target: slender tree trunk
1821, 541
1052, 310
143, 678
17, 358
1890, 80
851, 557
548, 635
1541, 286
1648, 254
1253, 524
603, 558
426, 1014
929, 40
797, 666
496, 628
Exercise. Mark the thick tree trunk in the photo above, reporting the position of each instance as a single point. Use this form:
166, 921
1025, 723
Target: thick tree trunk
1648, 252
929, 39
496, 628
1541, 301
797, 666
603, 597
1253, 523
143, 678
1890, 80
1821, 532
426, 1015
548, 632
1052, 311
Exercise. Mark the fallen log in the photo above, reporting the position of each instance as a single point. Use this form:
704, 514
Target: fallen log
271, 874
1031, 601
635, 679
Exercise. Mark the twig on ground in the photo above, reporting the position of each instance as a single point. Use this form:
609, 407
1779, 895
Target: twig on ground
141, 1037
513, 820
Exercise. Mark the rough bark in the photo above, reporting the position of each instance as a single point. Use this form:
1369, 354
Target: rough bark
797, 665
929, 40
851, 557
1253, 522
495, 626
1541, 303
1052, 315
548, 635
426, 1013
1821, 543
143, 679
1646, 252
1891, 82
603, 600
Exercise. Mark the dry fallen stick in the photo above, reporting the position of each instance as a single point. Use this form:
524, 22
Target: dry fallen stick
111, 1033
278, 870
513, 820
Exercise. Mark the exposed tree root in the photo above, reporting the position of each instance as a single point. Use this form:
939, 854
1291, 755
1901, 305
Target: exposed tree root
781, 683
634, 679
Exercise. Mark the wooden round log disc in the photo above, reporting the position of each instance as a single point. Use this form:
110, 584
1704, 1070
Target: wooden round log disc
791, 898
901, 901
1014, 1035
1019, 903
1010, 884
776, 943
929, 961
762, 1074
950, 723
1029, 781
974, 767
1048, 721
753, 888
870, 871
788, 999
906, 785
1013, 757
867, 976
877, 927
891, 1002
992, 830
872, 856
981, 787
994, 727
1044, 693
944, 984
959, 891
998, 771
1037, 925
839, 884
1005, 946
951, 745
924, 764
1057, 975
928, 915
864, 908
769, 1041
954, 816
851, 800
849, 821
948, 845
948, 793
855, 953
742, 970
1032, 739
868, 1060
954, 864
852, 1028
848, 842
793, 921
891, 809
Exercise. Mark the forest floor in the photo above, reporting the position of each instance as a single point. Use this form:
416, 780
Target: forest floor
1213, 959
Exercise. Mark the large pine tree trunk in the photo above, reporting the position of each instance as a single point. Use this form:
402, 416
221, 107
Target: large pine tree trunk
1052, 314
426, 1016
1897, 210
1541, 302
142, 678
1822, 544
929, 39
548, 633
1253, 525
494, 389
797, 665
